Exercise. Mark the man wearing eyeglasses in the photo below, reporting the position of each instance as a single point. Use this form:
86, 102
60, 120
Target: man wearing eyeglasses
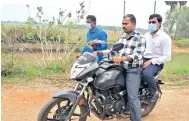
157, 52
96, 37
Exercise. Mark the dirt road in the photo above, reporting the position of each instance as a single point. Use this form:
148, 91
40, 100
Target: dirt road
23, 104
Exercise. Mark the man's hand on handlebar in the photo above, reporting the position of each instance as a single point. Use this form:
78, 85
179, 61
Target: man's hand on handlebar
118, 60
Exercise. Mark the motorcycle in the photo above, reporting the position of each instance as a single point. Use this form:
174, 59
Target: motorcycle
100, 90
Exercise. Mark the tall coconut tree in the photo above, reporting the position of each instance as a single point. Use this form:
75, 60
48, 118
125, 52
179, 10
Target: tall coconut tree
181, 3
172, 5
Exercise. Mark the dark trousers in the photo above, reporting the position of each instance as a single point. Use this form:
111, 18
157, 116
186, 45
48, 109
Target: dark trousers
148, 76
133, 79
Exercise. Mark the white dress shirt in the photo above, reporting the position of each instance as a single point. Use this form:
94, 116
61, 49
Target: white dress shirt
158, 47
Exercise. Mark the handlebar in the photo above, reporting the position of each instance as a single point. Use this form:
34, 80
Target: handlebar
109, 59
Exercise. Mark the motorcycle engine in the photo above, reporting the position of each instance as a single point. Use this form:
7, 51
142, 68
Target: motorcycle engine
111, 103
115, 105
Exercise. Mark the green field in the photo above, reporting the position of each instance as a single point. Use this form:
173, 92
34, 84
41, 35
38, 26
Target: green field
176, 72
26, 67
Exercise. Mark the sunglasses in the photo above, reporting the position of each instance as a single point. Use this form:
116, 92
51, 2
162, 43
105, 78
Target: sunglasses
153, 22
125, 23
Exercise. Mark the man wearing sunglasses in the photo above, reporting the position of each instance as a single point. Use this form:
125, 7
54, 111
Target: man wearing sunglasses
157, 52
132, 58
96, 38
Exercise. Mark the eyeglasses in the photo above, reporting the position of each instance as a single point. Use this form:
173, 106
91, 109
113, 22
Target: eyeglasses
125, 23
153, 22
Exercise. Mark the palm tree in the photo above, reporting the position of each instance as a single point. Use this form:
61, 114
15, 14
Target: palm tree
181, 3
28, 6
172, 5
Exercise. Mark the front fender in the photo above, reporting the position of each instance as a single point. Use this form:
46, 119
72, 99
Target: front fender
71, 95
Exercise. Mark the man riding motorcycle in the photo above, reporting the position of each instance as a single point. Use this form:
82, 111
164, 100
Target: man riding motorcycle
157, 52
131, 56
109, 89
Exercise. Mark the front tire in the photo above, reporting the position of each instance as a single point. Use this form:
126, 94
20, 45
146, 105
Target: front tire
48, 106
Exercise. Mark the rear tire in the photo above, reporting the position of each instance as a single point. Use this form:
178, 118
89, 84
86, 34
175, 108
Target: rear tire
46, 108
148, 109
147, 106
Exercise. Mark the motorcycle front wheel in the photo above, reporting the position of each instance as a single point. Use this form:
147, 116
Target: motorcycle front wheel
58, 109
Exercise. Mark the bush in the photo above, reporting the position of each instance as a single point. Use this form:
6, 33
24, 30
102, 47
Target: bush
182, 43
24, 71
56, 68
30, 34
25, 68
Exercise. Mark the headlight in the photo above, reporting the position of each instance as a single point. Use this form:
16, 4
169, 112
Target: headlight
75, 72
77, 69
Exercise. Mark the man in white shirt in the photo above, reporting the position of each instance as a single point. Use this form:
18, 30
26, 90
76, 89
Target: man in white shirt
158, 51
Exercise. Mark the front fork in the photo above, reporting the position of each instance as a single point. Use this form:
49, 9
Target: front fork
77, 99
75, 89
76, 86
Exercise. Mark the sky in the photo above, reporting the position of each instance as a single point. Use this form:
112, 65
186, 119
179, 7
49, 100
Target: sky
107, 12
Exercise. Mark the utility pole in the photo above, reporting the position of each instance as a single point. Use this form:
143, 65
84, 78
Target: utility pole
124, 8
154, 7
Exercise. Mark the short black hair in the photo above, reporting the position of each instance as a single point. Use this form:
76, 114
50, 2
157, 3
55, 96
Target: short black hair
132, 18
92, 17
159, 18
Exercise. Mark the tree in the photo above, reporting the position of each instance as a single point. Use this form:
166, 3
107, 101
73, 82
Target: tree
181, 25
181, 3
172, 5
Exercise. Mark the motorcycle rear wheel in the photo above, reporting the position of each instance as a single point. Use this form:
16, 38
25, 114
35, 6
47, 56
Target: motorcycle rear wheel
146, 110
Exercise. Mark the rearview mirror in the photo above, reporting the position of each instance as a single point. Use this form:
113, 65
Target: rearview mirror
118, 46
